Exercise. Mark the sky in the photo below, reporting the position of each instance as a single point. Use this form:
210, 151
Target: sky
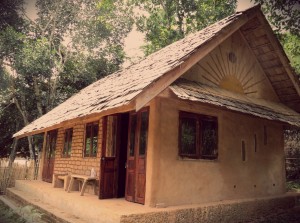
135, 39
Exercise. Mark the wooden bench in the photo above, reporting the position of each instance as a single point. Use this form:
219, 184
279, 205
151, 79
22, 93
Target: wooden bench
61, 180
84, 180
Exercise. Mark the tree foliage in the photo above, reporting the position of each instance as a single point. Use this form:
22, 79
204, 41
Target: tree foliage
292, 152
9, 15
284, 15
167, 21
291, 45
69, 45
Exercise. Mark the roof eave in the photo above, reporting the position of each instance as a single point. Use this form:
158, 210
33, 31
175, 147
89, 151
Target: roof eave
84, 119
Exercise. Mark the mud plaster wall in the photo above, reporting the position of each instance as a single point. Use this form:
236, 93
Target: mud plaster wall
175, 181
77, 163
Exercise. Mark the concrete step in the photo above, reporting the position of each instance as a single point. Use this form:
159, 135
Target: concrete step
32, 209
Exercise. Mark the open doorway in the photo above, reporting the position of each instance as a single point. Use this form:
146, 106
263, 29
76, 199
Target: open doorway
114, 156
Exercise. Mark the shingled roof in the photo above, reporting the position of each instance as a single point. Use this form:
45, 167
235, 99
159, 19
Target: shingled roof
126, 86
195, 91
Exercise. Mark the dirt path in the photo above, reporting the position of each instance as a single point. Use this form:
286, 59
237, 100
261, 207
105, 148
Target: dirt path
281, 216
7, 215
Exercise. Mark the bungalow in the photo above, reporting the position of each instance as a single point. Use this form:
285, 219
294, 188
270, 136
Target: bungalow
200, 120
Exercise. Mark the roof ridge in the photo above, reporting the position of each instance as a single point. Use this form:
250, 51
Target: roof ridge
228, 18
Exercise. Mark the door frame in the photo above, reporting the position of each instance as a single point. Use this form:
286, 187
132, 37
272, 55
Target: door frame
110, 167
106, 161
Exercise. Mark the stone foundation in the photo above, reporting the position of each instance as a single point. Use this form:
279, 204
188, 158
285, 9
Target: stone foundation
226, 211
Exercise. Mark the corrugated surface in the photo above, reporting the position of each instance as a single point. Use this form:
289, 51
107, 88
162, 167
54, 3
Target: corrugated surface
194, 91
121, 87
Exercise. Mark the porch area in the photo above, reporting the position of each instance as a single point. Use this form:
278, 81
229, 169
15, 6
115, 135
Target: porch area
71, 207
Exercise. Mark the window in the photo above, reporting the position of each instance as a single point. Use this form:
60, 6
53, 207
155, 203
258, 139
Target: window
133, 124
143, 133
138, 133
51, 144
198, 136
91, 139
67, 143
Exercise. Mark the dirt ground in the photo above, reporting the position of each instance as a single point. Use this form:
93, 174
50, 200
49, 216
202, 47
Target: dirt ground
281, 216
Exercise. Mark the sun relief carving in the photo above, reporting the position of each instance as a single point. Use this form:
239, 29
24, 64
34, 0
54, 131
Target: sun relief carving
231, 69
234, 67
231, 83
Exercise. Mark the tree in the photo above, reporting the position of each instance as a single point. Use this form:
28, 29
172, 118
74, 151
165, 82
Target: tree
71, 41
291, 45
284, 15
167, 21
9, 15
9, 118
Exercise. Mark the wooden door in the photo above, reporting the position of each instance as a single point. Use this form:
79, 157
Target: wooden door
109, 164
136, 160
49, 156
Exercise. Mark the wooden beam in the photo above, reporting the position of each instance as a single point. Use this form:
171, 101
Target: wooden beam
280, 52
168, 78
258, 63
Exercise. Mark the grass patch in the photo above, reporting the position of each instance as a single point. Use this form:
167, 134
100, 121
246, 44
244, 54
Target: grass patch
293, 185
8, 216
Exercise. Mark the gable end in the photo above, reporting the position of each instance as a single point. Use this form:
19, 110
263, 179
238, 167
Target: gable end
273, 60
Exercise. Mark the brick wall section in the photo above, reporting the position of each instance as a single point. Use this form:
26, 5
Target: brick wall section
77, 163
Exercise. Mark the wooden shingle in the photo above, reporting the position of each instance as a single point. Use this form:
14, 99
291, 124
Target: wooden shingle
127, 86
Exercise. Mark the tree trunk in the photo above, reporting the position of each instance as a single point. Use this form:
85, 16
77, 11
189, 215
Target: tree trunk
38, 97
29, 138
180, 17
31, 148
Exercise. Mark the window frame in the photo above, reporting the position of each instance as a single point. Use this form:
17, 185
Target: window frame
199, 118
136, 142
91, 125
69, 133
